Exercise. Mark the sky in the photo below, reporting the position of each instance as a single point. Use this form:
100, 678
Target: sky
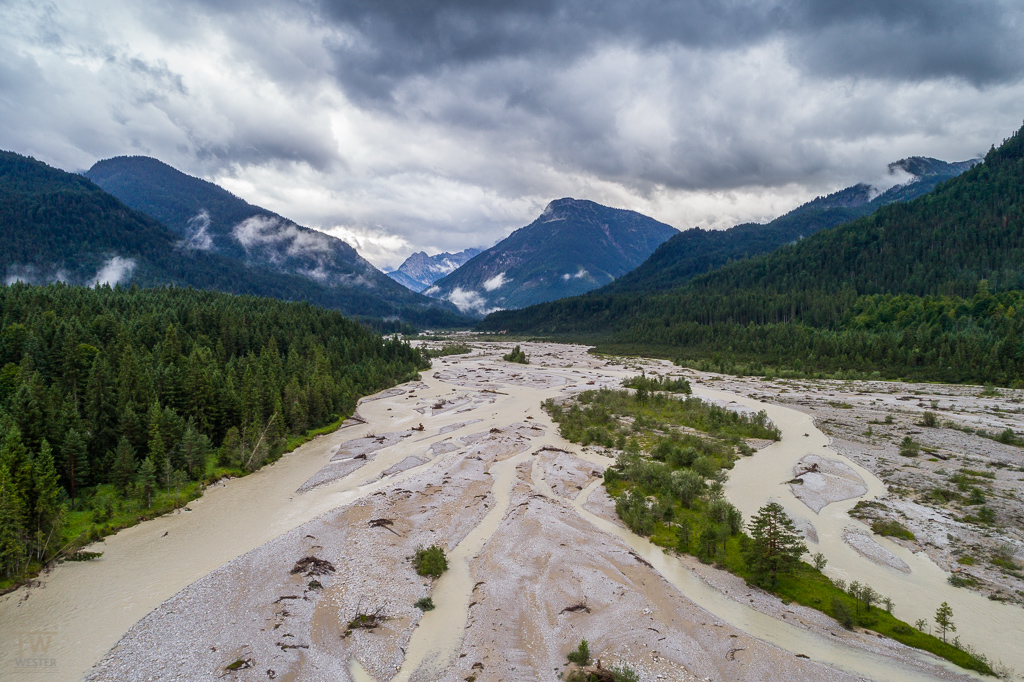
428, 125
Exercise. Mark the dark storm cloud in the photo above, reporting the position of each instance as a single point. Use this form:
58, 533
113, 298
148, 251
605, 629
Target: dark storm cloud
442, 125
912, 40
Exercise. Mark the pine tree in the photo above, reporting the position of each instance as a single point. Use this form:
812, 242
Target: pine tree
944, 619
157, 447
775, 545
75, 461
49, 511
194, 447
12, 547
684, 534
15, 456
231, 448
123, 469
145, 479
101, 407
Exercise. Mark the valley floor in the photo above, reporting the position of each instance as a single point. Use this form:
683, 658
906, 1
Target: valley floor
466, 459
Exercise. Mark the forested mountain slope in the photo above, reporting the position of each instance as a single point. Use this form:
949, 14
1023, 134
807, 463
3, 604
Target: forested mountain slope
696, 251
930, 287
58, 226
126, 392
573, 247
209, 218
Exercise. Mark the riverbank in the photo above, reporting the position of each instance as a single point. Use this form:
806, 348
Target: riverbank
539, 560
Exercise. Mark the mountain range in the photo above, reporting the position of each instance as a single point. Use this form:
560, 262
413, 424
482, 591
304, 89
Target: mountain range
695, 251
184, 231
572, 247
419, 270
930, 287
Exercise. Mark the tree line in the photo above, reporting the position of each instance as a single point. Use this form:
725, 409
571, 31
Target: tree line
108, 395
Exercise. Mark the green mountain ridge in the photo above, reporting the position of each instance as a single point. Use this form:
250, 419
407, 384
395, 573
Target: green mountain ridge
209, 218
927, 288
572, 247
693, 252
59, 226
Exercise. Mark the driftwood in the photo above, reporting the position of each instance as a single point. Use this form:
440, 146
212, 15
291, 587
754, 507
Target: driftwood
385, 524
639, 558
596, 673
365, 621
812, 469
313, 566
418, 428
582, 606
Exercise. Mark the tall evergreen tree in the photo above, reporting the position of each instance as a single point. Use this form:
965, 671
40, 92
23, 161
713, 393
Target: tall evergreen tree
775, 545
49, 511
12, 547
123, 469
145, 480
74, 462
157, 449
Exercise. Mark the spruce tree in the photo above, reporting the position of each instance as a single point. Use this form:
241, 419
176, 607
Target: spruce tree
12, 546
74, 462
49, 511
124, 465
157, 448
775, 545
145, 479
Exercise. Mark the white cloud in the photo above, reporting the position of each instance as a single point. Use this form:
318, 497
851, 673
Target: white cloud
114, 271
495, 282
579, 275
198, 238
258, 231
469, 301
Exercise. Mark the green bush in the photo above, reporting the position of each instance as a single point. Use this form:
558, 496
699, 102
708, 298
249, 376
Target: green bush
893, 529
425, 604
957, 580
842, 613
909, 447
516, 355
581, 656
430, 561
646, 383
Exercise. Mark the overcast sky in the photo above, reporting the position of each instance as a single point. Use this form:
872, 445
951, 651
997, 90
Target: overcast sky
432, 125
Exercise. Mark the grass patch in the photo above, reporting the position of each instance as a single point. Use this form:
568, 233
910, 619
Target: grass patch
450, 348
957, 580
893, 529
295, 441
